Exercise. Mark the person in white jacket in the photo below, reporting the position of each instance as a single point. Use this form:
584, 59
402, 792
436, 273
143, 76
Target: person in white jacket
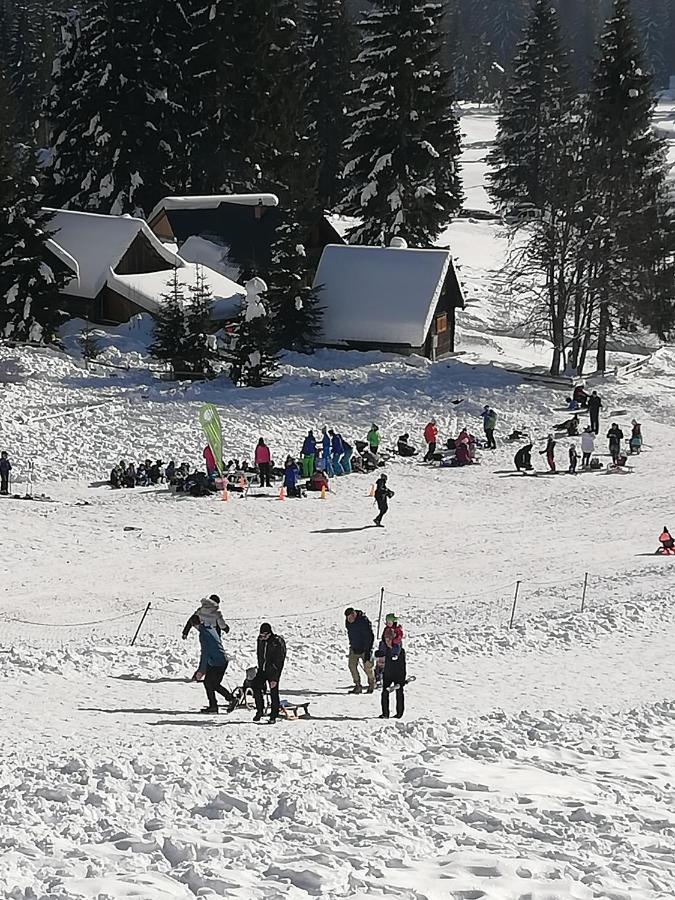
587, 447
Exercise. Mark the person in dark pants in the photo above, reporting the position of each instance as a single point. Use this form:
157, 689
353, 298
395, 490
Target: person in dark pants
594, 407
430, 436
271, 658
216, 664
550, 453
394, 673
361, 640
382, 497
523, 459
263, 460
5, 469
615, 436
489, 417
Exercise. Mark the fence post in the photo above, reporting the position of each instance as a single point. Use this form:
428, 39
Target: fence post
583, 595
140, 624
515, 601
379, 615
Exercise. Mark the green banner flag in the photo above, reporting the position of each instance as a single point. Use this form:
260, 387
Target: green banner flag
210, 422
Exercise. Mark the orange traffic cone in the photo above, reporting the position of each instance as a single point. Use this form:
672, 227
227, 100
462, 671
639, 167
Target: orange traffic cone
371, 492
323, 491
282, 493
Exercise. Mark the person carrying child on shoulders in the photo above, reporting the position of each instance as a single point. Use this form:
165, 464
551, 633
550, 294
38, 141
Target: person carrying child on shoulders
394, 673
391, 623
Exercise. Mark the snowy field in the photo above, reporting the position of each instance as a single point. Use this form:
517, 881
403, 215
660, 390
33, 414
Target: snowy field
532, 763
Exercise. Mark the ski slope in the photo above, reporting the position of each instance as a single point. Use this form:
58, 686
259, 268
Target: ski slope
532, 763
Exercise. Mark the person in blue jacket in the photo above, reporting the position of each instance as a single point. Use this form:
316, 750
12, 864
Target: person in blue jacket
361, 640
213, 655
325, 452
308, 454
291, 475
337, 450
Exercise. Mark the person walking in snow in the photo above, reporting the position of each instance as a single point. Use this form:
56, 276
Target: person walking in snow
574, 459
5, 469
635, 441
271, 652
594, 407
209, 614
382, 497
587, 447
489, 417
550, 453
523, 459
615, 436
325, 452
394, 674
373, 439
337, 449
213, 660
430, 436
308, 454
361, 640
263, 460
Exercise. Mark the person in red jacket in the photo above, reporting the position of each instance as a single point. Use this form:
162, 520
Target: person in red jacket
430, 436
210, 461
263, 460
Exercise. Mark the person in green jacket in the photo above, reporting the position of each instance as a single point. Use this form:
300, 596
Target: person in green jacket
373, 438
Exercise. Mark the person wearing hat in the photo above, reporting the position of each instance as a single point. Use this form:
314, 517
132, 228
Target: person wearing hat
382, 497
430, 436
549, 452
271, 650
361, 640
213, 661
489, 417
394, 674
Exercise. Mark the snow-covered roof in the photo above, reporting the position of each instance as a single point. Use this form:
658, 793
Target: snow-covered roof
213, 201
379, 294
69, 261
197, 249
343, 224
145, 290
98, 243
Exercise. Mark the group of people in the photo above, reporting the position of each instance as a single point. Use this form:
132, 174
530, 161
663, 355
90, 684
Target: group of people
523, 458
386, 667
130, 475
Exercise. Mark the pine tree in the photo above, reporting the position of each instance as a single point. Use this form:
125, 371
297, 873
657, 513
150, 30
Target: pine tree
537, 96
29, 63
403, 152
627, 179
253, 361
29, 285
331, 44
129, 74
199, 342
169, 343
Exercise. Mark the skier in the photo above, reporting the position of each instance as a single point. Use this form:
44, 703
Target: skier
209, 461
667, 542
574, 459
308, 454
594, 407
587, 446
373, 439
5, 469
489, 417
430, 436
615, 436
382, 497
271, 650
523, 459
550, 453
404, 447
337, 449
325, 452
394, 674
635, 442
361, 640
263, 460
209, 614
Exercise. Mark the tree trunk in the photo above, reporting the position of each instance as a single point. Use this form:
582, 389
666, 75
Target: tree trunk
603, 330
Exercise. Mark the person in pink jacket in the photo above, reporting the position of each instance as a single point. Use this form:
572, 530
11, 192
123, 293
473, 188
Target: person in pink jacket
263, 460
210, 461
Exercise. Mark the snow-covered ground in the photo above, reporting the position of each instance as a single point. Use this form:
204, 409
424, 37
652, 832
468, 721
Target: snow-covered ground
533, 763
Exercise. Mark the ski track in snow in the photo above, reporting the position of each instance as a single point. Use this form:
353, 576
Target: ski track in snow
533, 763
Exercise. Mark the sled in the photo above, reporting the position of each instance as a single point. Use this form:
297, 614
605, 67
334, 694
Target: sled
664, 551
393, 687
294, 711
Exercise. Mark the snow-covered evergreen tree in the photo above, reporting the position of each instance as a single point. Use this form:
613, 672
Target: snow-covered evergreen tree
29, 62
537, 97
331, 45
29, 284
169, 343
405, 144
130, 75
628, 184
253, 361
200, 344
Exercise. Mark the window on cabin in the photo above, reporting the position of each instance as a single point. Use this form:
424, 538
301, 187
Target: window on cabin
441, 323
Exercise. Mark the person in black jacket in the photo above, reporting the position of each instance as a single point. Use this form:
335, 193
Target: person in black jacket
594, 407
523, 459
382, 497
361, 640
615, 436
394, 674
271, 658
